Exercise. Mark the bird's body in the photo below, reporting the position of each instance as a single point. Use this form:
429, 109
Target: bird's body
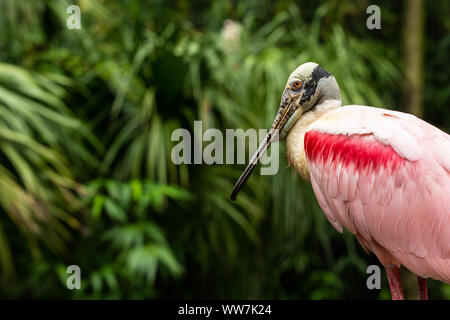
382, 175
385, 177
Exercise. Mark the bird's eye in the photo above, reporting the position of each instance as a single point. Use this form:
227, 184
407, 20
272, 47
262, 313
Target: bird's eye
297, 84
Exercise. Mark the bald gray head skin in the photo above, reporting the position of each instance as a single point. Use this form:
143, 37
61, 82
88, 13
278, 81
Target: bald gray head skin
307, 86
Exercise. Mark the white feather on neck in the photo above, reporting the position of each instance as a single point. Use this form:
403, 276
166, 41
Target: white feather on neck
295, 138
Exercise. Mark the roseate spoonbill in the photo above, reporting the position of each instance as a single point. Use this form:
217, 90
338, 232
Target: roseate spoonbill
381, 174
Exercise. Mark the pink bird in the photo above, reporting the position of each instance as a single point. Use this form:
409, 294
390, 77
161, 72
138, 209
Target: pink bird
382, 175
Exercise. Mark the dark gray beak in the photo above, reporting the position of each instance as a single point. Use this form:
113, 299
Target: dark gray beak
282, 117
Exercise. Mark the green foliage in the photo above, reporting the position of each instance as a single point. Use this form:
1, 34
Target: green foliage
86, 118
124, 230
39, 193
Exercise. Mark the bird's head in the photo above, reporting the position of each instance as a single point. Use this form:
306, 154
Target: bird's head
306, 87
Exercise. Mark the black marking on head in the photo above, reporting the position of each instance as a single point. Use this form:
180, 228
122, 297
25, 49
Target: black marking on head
311, 86
319, 73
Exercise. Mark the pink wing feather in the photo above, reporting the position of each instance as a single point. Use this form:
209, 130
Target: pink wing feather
385, 176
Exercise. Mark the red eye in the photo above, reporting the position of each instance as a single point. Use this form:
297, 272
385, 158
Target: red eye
297, 84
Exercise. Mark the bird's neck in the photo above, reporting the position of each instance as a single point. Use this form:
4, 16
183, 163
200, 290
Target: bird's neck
296, 136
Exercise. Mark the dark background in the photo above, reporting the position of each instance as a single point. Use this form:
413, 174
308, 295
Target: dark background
85, 123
